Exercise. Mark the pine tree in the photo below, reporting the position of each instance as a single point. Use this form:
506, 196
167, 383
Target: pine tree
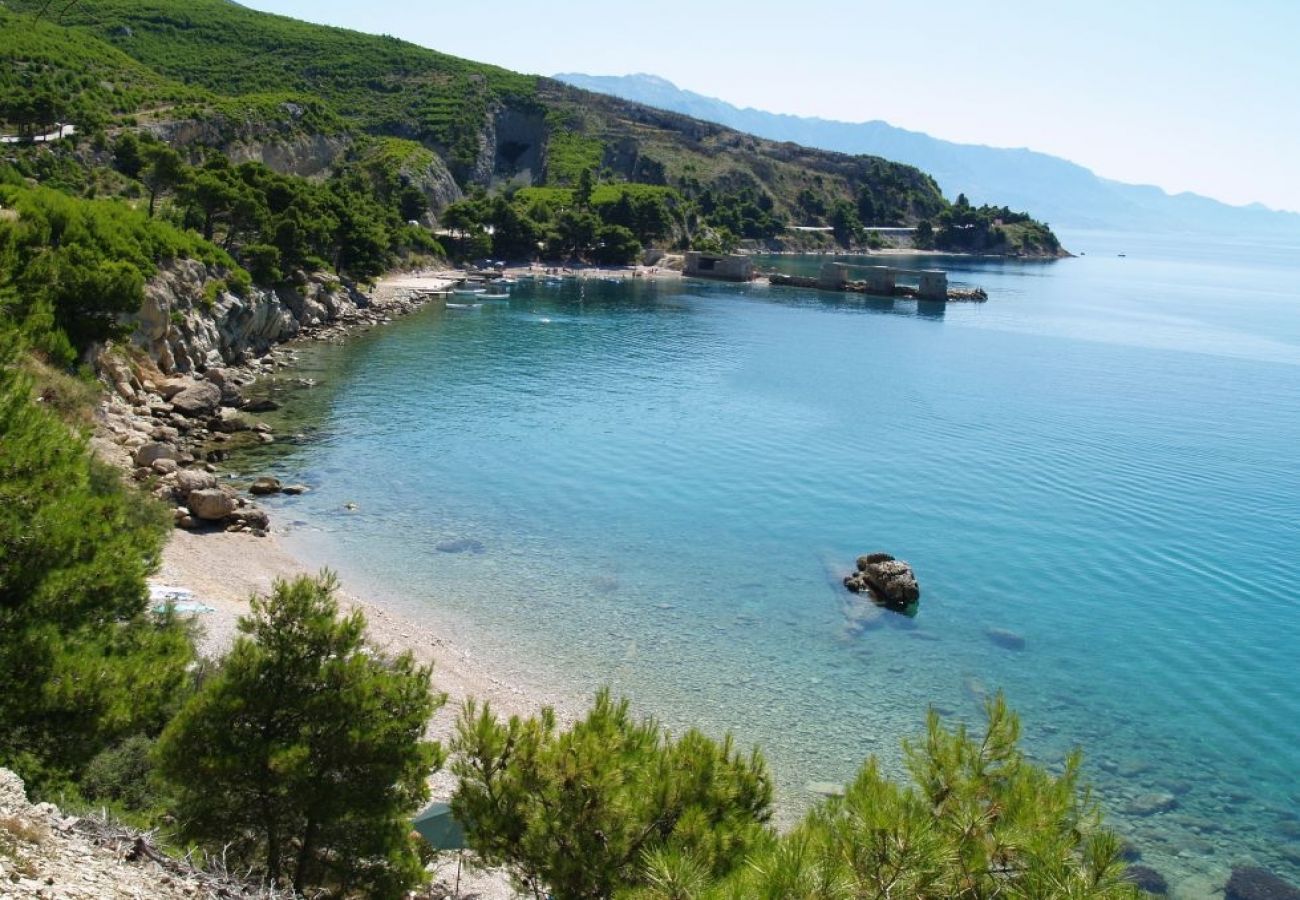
580, 811
305, 754
82, 662
980, 821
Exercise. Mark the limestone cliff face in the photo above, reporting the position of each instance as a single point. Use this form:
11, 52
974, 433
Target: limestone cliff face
434, 180
188, 323
286, 152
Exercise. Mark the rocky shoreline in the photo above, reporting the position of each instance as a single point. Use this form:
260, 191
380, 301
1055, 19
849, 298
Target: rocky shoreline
175, 402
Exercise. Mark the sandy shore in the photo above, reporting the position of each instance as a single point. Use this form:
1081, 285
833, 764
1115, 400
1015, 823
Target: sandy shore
224, 569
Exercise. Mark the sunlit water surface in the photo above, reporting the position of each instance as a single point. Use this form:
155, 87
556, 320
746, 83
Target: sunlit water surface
666, 479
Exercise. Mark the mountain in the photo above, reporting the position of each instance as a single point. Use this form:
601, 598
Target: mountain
1057, 190
306, 98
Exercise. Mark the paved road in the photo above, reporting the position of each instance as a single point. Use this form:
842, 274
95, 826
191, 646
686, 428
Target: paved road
61, 131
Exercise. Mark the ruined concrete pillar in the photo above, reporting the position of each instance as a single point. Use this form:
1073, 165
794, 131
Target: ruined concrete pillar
833, 276
933, 286
880, 280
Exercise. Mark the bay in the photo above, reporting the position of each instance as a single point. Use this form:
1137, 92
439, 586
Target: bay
656, 485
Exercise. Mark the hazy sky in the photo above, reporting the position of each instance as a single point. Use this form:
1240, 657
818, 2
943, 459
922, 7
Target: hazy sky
1191, 95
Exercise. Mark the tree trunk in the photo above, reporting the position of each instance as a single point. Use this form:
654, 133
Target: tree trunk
304, 856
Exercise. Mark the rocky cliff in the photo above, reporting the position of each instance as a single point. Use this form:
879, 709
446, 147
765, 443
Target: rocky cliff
190, 320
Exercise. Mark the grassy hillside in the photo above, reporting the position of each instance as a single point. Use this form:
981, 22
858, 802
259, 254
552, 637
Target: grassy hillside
385, 86
215, 61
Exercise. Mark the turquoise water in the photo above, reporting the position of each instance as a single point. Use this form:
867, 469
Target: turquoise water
665, 479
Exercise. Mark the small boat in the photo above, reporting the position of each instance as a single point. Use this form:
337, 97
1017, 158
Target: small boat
463, 305
467, 291
494, 296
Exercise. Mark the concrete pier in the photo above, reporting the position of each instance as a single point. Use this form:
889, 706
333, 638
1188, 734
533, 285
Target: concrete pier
881, 281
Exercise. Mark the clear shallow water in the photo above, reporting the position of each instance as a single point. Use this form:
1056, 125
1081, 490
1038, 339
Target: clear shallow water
667, 478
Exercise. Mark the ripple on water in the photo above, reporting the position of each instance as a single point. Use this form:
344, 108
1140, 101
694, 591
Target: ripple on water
663, 479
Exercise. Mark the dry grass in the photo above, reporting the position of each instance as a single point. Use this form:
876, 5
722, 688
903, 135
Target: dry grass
17, 830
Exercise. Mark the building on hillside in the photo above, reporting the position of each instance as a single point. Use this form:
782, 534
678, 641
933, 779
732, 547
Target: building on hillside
728, 267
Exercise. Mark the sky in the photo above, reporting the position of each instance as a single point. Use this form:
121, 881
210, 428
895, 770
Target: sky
1190, 96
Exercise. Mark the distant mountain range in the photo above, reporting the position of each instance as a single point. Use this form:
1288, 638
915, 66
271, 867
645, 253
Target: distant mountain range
1055, 190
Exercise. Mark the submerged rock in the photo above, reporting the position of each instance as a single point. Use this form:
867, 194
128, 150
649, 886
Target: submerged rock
1147, 879
1007, 640
460, 545
891, 581
1150, 804
1254, 883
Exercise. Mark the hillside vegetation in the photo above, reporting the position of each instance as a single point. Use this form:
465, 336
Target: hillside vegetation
214, 74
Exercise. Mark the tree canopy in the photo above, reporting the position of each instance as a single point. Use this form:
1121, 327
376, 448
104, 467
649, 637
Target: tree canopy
304, 754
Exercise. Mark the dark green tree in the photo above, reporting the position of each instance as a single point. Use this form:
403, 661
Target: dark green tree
83, 663
923, 238
615, 245
845, 225
305, 754
582, 193
161, 172
579, 811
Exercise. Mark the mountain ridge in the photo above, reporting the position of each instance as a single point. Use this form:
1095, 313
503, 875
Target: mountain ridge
1058, 190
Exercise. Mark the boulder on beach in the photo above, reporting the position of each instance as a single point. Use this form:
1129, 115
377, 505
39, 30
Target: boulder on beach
148, 454
891, 581
1254, 883
210, 504
190, 480
199, 399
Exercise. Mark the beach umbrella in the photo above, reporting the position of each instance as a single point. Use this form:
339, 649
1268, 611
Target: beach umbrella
439, 827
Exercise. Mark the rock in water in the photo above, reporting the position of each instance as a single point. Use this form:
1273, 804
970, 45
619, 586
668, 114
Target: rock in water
1254, 883
265, 485
891, 581
1147, 879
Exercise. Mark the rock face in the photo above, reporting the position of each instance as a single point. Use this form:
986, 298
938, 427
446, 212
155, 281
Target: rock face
44, 853
1254, 883
188, 324
890, 581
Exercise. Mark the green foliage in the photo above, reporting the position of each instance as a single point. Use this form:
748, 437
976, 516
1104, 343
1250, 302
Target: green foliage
616, 245
846, 226
979, 822
579, 811
304, 755
50, 74
83, 662
382, 84
923, 238
992, 229
123, 777
69, 268
569, 154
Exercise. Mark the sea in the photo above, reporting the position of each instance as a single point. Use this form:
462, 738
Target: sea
657, 485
